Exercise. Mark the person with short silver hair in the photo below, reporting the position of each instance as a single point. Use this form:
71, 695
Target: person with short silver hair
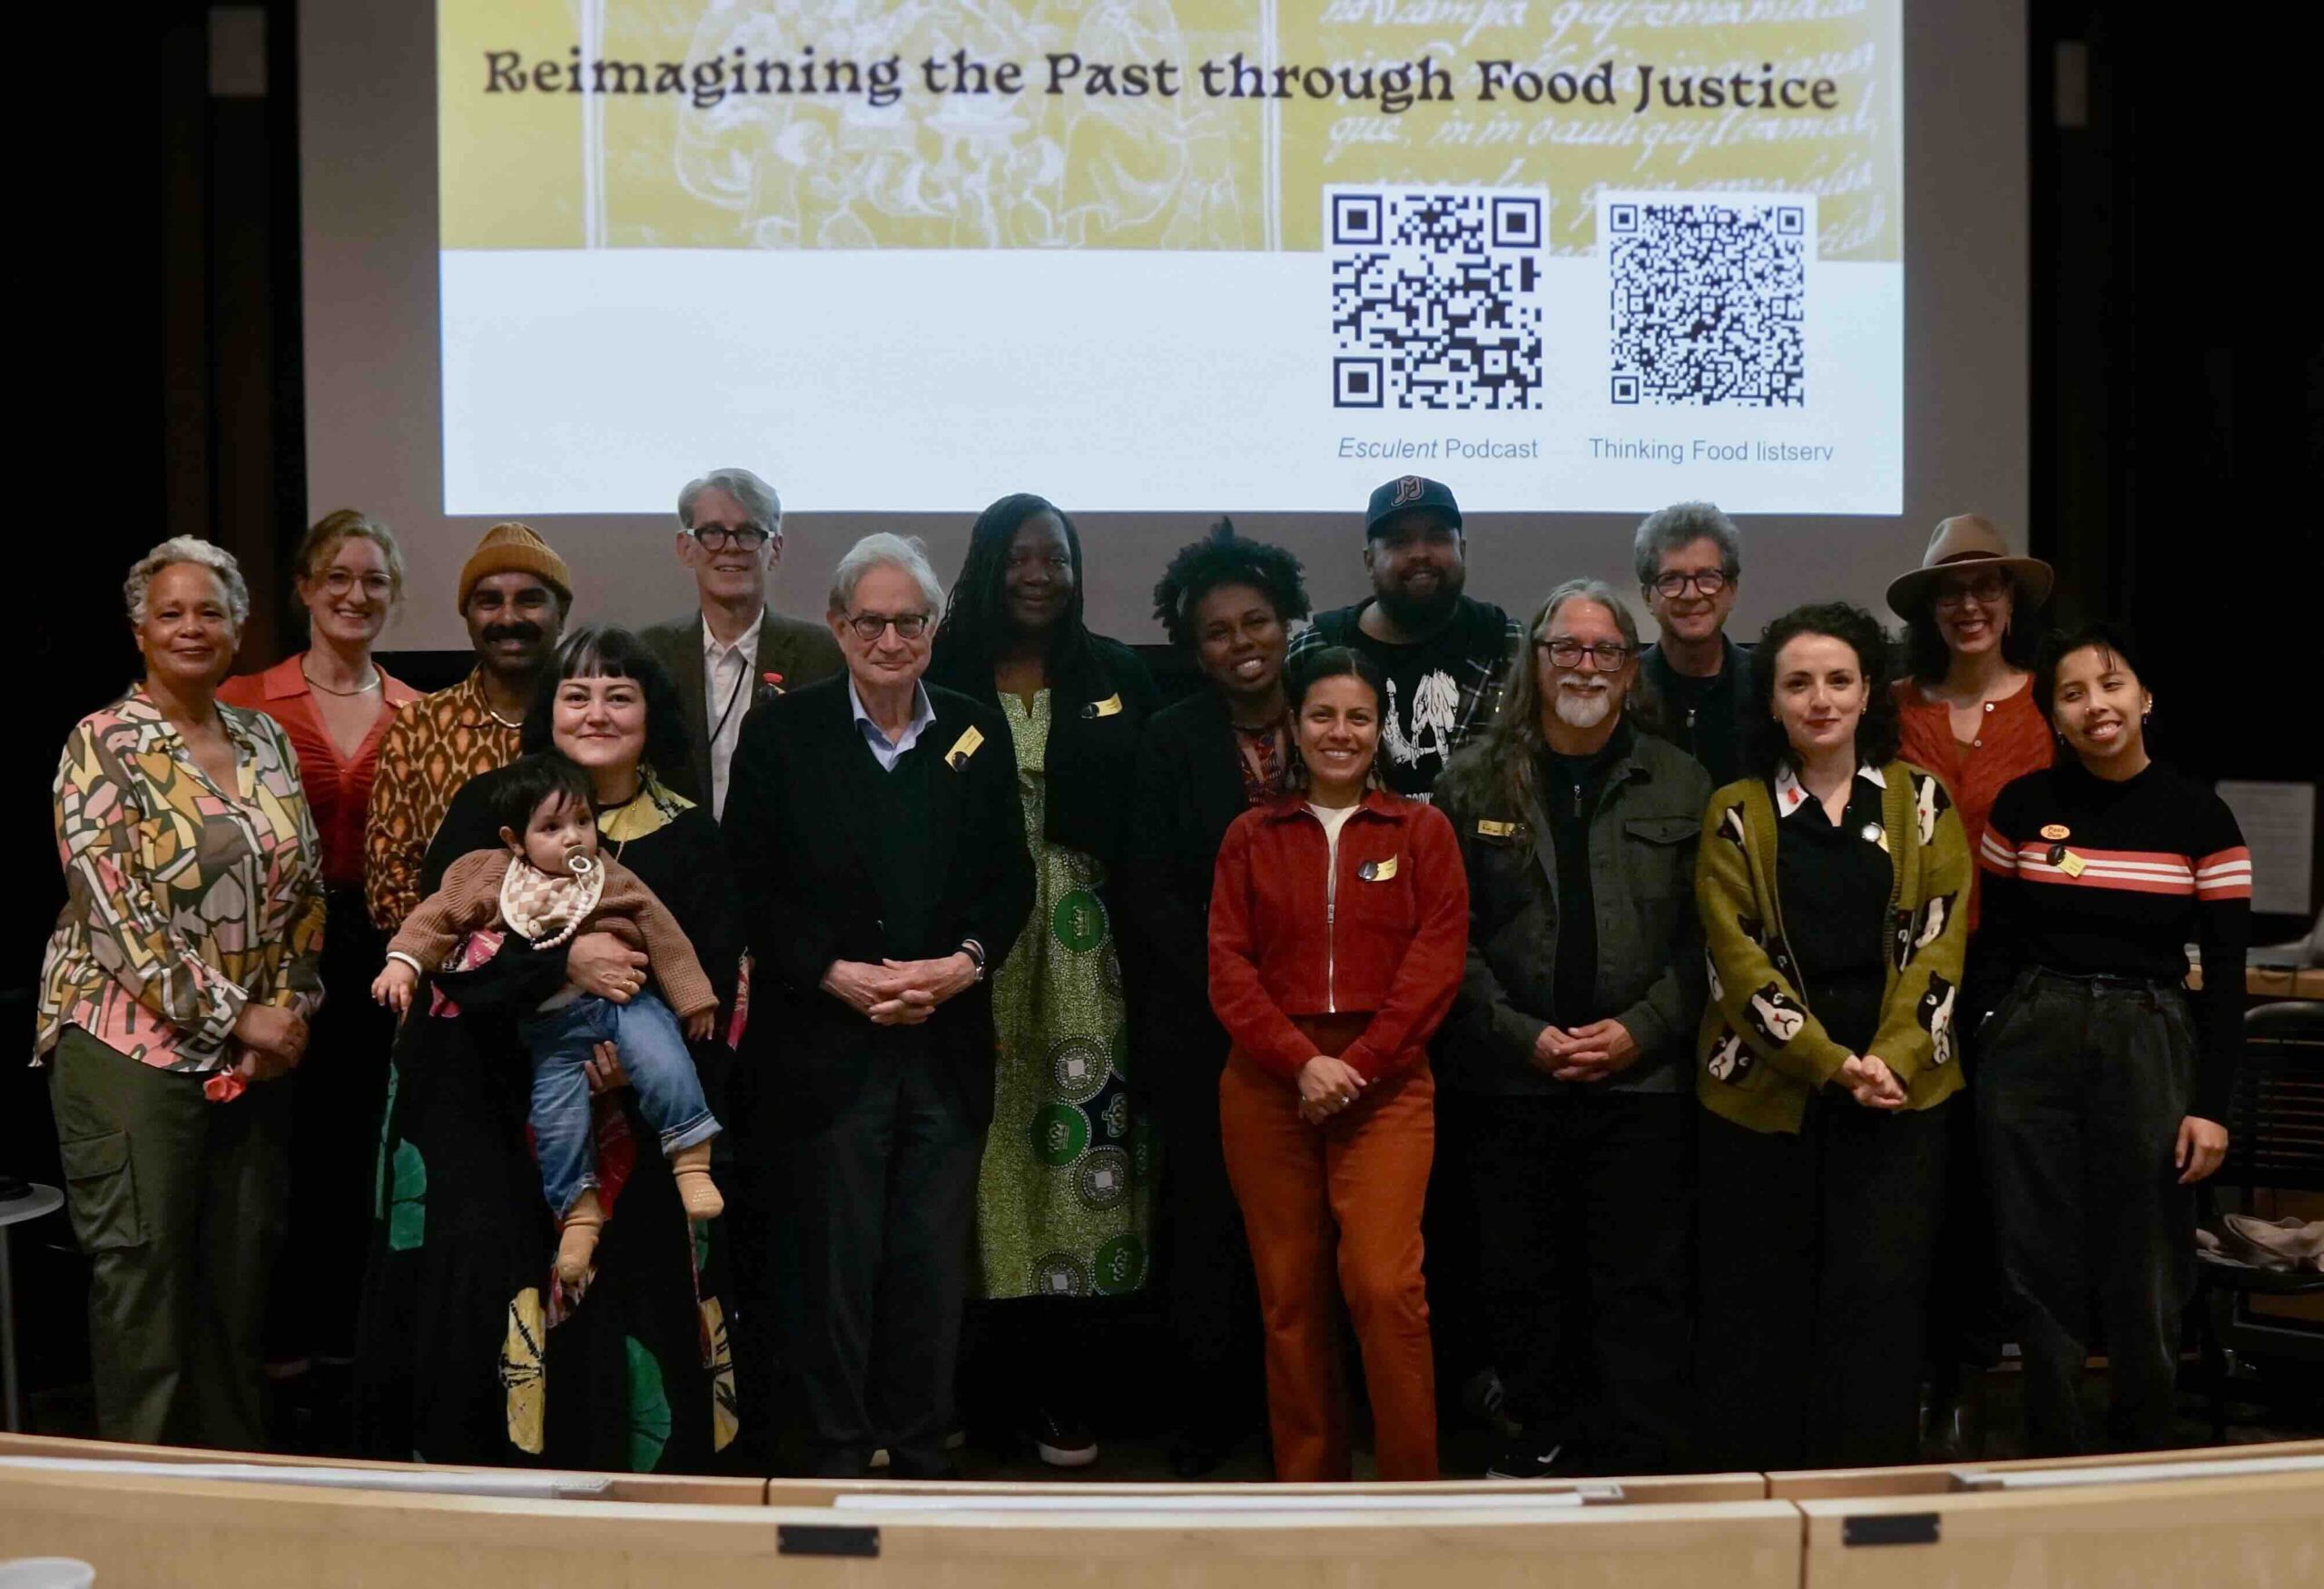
874, 830
177, 987
732, 653
1567, 1056
1689, 562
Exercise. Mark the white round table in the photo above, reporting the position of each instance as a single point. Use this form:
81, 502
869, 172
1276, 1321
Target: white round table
32, 1204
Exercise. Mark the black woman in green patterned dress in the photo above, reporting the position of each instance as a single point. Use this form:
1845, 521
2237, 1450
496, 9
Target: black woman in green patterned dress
1064, 1201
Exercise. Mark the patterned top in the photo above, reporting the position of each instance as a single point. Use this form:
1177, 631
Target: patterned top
181, 903
434, 746
339, 789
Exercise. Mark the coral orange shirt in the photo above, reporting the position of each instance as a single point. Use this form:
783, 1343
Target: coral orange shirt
2015, 741
339, 789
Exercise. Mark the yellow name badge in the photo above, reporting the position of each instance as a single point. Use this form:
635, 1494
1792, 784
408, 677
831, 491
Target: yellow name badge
1377, 871
963, 748
1110, 707
2072, 865
1489, 829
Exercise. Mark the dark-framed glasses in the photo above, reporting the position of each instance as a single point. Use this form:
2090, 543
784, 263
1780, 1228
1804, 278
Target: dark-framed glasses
1609, 654
1987, 587
717, 538
870, 625
1673, 585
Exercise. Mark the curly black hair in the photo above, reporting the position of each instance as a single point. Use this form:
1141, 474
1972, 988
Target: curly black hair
2111, 638
976, 614
1766, 747
1225, 558
543, 776
607, 651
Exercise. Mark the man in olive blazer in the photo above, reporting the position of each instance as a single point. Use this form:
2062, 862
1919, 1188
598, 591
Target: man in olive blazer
731, 654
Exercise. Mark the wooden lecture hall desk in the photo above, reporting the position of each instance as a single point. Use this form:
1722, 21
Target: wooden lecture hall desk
2252, 1515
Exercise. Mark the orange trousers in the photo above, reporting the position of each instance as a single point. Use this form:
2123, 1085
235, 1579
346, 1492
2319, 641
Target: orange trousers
1364, 1172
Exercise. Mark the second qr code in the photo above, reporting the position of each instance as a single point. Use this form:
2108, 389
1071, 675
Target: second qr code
1436, 297
1708, 297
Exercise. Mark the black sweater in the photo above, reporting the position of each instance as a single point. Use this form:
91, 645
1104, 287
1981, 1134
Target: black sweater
2089, 877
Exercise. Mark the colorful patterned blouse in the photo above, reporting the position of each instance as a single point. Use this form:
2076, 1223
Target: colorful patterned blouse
181, 904
436, 745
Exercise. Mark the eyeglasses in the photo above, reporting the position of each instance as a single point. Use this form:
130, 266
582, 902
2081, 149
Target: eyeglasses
870, 625
1987, 588
1609, 654
339, 582
717, 538
1673, 585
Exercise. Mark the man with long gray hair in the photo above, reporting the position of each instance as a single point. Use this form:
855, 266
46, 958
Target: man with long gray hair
1567, 1053
732, 653
1689, 560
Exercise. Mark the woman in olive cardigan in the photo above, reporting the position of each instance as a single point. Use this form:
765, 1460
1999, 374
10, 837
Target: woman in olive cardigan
1831, 884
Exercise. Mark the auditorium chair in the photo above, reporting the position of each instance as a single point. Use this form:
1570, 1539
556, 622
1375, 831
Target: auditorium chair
2275, 1143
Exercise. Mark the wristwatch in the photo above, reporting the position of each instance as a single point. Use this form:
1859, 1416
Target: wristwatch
974, 951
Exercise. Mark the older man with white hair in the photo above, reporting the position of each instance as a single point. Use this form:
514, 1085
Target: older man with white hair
732, 653
874, 829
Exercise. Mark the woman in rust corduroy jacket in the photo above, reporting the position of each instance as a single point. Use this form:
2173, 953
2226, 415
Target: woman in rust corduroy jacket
1339, 931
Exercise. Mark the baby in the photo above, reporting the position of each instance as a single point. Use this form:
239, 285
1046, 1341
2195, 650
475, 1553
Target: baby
547, 885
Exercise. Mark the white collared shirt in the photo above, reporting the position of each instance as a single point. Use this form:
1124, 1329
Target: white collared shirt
727, 686
884, 750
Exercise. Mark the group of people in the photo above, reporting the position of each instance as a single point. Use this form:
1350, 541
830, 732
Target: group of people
1700, 1051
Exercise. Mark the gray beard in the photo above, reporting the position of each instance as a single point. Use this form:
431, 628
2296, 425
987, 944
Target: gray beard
1580, 710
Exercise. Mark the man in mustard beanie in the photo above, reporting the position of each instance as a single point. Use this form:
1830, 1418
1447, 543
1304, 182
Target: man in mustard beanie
515, 593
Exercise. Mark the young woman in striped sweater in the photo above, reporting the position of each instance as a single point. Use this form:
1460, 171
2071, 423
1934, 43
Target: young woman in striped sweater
2101, 1085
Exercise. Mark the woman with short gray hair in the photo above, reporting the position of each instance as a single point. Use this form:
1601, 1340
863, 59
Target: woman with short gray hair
178, 983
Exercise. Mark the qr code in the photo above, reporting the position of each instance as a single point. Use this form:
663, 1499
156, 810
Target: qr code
1709, 297
1436, 297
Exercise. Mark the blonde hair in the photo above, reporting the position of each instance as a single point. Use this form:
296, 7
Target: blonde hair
334, 530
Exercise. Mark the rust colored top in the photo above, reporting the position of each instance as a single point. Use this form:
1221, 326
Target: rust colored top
339, 788
470, 898
2015, 741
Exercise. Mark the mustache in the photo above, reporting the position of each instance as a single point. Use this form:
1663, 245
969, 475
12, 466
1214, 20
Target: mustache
519, 630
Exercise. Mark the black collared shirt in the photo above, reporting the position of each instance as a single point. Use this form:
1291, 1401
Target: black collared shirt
1833, 881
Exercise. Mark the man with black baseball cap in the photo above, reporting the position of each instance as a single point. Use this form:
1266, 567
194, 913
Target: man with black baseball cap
1445, 655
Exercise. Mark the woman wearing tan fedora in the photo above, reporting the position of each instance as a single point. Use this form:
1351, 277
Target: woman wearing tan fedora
1968, 714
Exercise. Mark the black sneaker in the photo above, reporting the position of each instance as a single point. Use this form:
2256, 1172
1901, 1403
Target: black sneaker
1060, 1440
1533, 1462
1484, 1399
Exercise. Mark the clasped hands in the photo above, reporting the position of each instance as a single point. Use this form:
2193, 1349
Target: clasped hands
268, 1042
1326, 1086
899, 992
1871, 1082
1584, 1054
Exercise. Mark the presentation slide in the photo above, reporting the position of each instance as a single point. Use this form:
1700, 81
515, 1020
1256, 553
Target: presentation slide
1171, 256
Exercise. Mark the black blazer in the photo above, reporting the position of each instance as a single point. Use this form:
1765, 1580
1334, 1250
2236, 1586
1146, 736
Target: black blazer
797, 841
1091, 758
1188, 790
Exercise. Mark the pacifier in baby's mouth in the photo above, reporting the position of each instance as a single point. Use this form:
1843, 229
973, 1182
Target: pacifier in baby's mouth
580, 862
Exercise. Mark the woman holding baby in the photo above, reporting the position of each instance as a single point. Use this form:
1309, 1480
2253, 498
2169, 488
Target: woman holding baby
473, 1350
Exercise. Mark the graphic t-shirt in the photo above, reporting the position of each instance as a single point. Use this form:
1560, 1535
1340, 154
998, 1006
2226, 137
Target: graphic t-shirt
1442, 691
